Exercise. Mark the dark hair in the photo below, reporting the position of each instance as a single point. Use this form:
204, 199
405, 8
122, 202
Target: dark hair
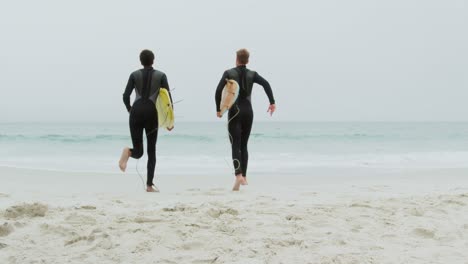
146, 57
243, 56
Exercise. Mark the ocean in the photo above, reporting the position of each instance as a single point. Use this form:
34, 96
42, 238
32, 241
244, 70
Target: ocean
203, 148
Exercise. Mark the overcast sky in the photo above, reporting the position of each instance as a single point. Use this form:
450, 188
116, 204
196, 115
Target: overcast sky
399, 60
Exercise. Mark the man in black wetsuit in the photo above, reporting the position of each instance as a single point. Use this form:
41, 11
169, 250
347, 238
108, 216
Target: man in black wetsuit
143, 114
241, 114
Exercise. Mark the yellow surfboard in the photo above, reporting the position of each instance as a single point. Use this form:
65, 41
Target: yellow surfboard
229, 95
165, 110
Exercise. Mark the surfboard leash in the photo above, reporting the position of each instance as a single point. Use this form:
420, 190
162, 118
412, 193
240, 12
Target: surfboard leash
231, 139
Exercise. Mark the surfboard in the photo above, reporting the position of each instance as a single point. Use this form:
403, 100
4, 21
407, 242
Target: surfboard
164, 108
229, 95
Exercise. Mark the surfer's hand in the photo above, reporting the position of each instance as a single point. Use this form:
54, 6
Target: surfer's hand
218, 114
271, 109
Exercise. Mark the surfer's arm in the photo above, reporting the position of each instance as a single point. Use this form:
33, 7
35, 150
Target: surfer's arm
165, 85
128, 92
219, 91
266, 86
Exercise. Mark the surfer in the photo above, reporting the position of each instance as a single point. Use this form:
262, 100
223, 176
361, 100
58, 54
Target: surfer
143, 114
240, 114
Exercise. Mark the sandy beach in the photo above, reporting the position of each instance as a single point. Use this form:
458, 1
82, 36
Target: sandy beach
331, 216
349, 119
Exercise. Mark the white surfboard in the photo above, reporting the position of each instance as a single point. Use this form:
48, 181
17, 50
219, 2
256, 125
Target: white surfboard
229, 95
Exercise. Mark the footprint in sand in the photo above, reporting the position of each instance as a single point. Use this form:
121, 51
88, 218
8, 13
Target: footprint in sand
179, 208
145, 246
77, 219
77, 239
293, 218
3, 245
52, 229
87, 207
142, 220
454, 202
416, 212
388, 236
6, 229
3, 195
104, 242
361, 205
26, 210
205, 261
424, 233
192, 245
356, 229
99, 239
216, 213
19, 224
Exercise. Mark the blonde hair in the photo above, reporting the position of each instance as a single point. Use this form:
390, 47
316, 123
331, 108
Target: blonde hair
243, 56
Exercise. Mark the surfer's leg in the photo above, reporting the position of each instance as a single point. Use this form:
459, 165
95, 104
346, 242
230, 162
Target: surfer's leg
124, 159
238, 182
136, 132
247, 120
151, 129
235, 138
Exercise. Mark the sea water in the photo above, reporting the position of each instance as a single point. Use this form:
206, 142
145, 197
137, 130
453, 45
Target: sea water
204, 148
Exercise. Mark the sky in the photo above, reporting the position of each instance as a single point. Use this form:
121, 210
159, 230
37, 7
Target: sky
334, 60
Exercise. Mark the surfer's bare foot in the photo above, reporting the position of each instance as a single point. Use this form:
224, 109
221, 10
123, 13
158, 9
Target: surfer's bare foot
237, 183
124, 159
151, 189
244, 181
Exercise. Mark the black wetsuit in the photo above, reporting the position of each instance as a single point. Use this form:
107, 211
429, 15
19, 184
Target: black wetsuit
143, 114
241, 114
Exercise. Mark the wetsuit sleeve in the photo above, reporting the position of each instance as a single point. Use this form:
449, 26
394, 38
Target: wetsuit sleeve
266, 86
165, 84
219, 91
128, 92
